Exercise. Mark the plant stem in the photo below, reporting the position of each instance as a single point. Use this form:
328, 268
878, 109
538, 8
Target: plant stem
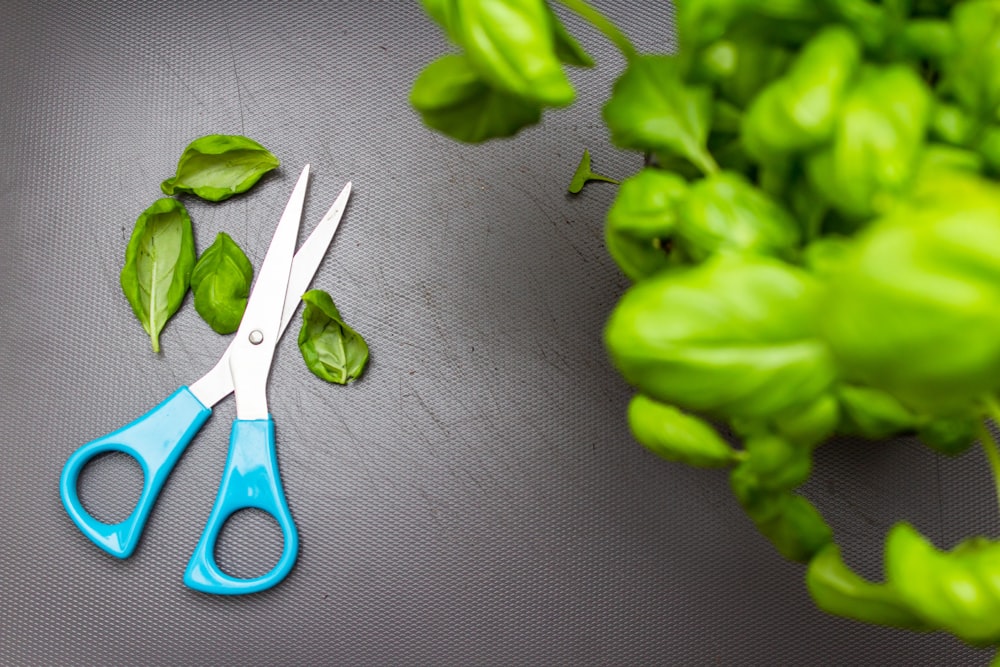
599, 21
989, 443
992, 455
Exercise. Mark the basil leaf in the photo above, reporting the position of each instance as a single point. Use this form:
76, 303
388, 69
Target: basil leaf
642, 221
676, 436
444, 13
512, 44
836, 589
911, 309
799, 110
876, 146
158, 263
568, 50
221, 284
584, 174
972, 67
452, 98
725, 213
218, 166
705, 337
653, 109
332, 350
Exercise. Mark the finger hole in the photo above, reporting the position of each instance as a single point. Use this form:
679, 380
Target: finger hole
109, 486
249, 544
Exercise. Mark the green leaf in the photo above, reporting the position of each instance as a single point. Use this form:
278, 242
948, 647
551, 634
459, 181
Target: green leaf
777, 463
724, 213
836, 589
452, 98
702, 21
444, 13
873, 413
218, 166
332, 350
877, 143
950, 436
158, 263
584, 175
912, 308
653, 109
706, 338
221, 284
792, 524
676, 436
808, 425
642, 221
971, 66
955, 590
512, 44
799, 110
567, 48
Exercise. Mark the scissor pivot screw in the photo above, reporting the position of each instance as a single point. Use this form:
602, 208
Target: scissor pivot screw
256, 337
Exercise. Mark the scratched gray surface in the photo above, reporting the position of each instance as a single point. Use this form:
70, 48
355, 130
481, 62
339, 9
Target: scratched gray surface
475, 499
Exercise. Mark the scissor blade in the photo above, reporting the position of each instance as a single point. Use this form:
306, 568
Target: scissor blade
253, 348
218, 382
310, 256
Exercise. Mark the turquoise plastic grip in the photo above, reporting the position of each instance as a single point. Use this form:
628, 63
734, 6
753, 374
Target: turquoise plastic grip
156, 440
249, 480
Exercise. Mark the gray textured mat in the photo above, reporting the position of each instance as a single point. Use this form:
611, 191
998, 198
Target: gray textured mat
475, 499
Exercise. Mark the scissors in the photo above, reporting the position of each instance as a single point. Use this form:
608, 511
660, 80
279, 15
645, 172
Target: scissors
250, 477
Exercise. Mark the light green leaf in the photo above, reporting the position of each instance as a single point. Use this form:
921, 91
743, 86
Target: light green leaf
653, 109
452, 98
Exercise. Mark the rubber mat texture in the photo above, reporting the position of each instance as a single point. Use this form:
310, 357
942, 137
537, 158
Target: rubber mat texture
474, 499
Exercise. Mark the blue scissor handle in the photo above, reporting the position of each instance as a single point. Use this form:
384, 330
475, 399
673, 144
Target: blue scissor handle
156, 440
249, 480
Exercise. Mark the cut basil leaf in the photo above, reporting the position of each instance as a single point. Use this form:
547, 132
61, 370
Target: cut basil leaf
221, 284
158, 263
332, 350
218, 166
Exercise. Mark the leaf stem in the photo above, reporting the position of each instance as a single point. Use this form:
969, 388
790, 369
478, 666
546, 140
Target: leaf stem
989, 443
601, 22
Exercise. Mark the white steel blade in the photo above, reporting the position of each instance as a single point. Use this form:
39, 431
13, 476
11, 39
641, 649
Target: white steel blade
311, 254
218, 382
253, 347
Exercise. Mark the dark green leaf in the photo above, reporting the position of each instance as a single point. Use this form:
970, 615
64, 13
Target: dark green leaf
332, 350
218, 166
584, 175
653, 109
158, 263
221, 284
568, 50
452, 98
872, 413
949, 435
